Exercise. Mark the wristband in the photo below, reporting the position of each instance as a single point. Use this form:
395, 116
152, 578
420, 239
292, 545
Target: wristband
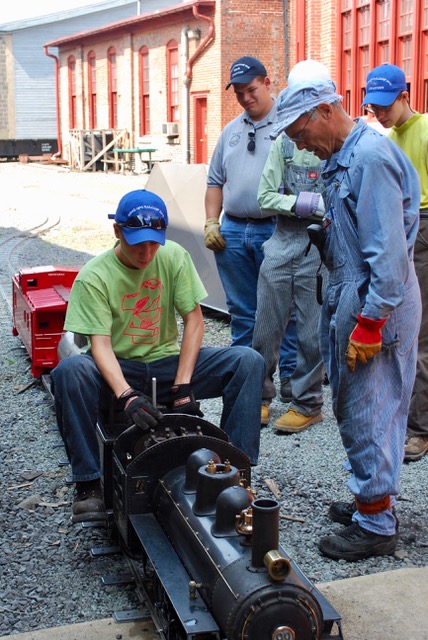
124, 393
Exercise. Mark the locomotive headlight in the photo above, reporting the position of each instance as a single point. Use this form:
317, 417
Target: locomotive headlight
278, 567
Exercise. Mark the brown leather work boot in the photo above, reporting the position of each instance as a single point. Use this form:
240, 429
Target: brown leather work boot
88, 504
415, 448
265, 413
292, 421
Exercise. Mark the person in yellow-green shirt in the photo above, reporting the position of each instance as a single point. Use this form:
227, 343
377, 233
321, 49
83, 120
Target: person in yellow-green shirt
387, 97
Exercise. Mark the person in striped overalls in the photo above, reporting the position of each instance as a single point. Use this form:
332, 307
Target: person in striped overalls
290, 188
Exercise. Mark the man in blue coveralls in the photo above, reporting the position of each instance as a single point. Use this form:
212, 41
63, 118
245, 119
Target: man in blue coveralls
371, 310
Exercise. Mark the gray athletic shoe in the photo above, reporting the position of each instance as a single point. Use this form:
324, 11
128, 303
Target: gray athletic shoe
355, 543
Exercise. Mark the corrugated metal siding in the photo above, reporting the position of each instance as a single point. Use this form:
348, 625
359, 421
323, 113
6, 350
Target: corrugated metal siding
34, 71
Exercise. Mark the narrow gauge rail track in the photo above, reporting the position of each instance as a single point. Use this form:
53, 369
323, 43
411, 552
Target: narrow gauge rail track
11, 243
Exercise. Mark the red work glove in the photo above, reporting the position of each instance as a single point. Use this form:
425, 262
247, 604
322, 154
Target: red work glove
365, 341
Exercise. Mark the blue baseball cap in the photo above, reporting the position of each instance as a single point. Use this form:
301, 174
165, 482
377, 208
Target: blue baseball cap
300, 98
384, 85
245, 69
142, 217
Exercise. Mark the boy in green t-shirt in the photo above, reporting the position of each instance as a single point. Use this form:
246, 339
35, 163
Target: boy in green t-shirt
125, 300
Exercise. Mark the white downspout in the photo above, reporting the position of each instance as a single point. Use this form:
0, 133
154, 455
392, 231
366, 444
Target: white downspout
185, 150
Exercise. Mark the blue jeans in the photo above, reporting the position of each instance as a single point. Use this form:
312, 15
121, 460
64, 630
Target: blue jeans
238, 265
288, 349
79, 390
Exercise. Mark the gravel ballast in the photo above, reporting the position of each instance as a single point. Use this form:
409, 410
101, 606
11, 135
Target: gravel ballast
48, 576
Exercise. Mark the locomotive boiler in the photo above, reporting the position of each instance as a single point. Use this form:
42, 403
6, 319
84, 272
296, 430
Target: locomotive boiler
204, 548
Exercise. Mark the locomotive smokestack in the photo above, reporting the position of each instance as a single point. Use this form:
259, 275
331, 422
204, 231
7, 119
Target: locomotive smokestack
265, 529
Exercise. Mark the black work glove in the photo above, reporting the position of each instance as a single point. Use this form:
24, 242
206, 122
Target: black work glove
183, 400
139, 410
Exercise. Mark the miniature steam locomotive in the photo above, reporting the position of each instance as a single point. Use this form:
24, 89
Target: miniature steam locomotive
205, 550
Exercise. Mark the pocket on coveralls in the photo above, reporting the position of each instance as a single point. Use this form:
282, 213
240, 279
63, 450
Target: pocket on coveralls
402, 329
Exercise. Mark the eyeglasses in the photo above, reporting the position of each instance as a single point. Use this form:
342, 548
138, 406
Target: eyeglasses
139, 221
374, 109
251, 146
299, 136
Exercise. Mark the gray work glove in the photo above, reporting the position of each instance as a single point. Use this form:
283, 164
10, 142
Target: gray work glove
213, 238
139, 410
309, 204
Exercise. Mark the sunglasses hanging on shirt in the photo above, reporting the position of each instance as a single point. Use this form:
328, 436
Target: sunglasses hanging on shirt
251, 146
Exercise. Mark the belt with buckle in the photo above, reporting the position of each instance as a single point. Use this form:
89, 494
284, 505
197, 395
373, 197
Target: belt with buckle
256, 220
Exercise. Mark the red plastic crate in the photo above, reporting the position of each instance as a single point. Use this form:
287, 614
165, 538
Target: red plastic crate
40, 296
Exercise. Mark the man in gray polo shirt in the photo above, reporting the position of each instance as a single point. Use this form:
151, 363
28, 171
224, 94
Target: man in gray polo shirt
233, 180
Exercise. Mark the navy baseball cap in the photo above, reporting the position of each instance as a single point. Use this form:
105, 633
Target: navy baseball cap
384, 85
245, 69
142, 217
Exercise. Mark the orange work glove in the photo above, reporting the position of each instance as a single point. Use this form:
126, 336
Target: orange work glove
213, 238
365, 341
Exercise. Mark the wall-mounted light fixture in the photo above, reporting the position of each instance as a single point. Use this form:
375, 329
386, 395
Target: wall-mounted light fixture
194, 34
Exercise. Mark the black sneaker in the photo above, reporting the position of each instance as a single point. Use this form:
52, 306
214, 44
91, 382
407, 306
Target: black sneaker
343, 511
355, 543
88, 504
285, 394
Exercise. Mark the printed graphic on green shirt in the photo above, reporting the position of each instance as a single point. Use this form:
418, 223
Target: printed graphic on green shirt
146, 311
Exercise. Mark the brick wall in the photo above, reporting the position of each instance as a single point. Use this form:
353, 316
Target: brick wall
127, 59
319, 32
254, 28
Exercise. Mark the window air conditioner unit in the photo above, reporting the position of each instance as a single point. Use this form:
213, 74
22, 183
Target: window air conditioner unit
170, 129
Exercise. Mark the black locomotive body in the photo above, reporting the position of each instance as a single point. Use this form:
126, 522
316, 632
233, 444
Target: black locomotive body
205, 548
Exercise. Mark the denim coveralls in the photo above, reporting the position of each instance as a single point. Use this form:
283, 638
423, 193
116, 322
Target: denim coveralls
372, 200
